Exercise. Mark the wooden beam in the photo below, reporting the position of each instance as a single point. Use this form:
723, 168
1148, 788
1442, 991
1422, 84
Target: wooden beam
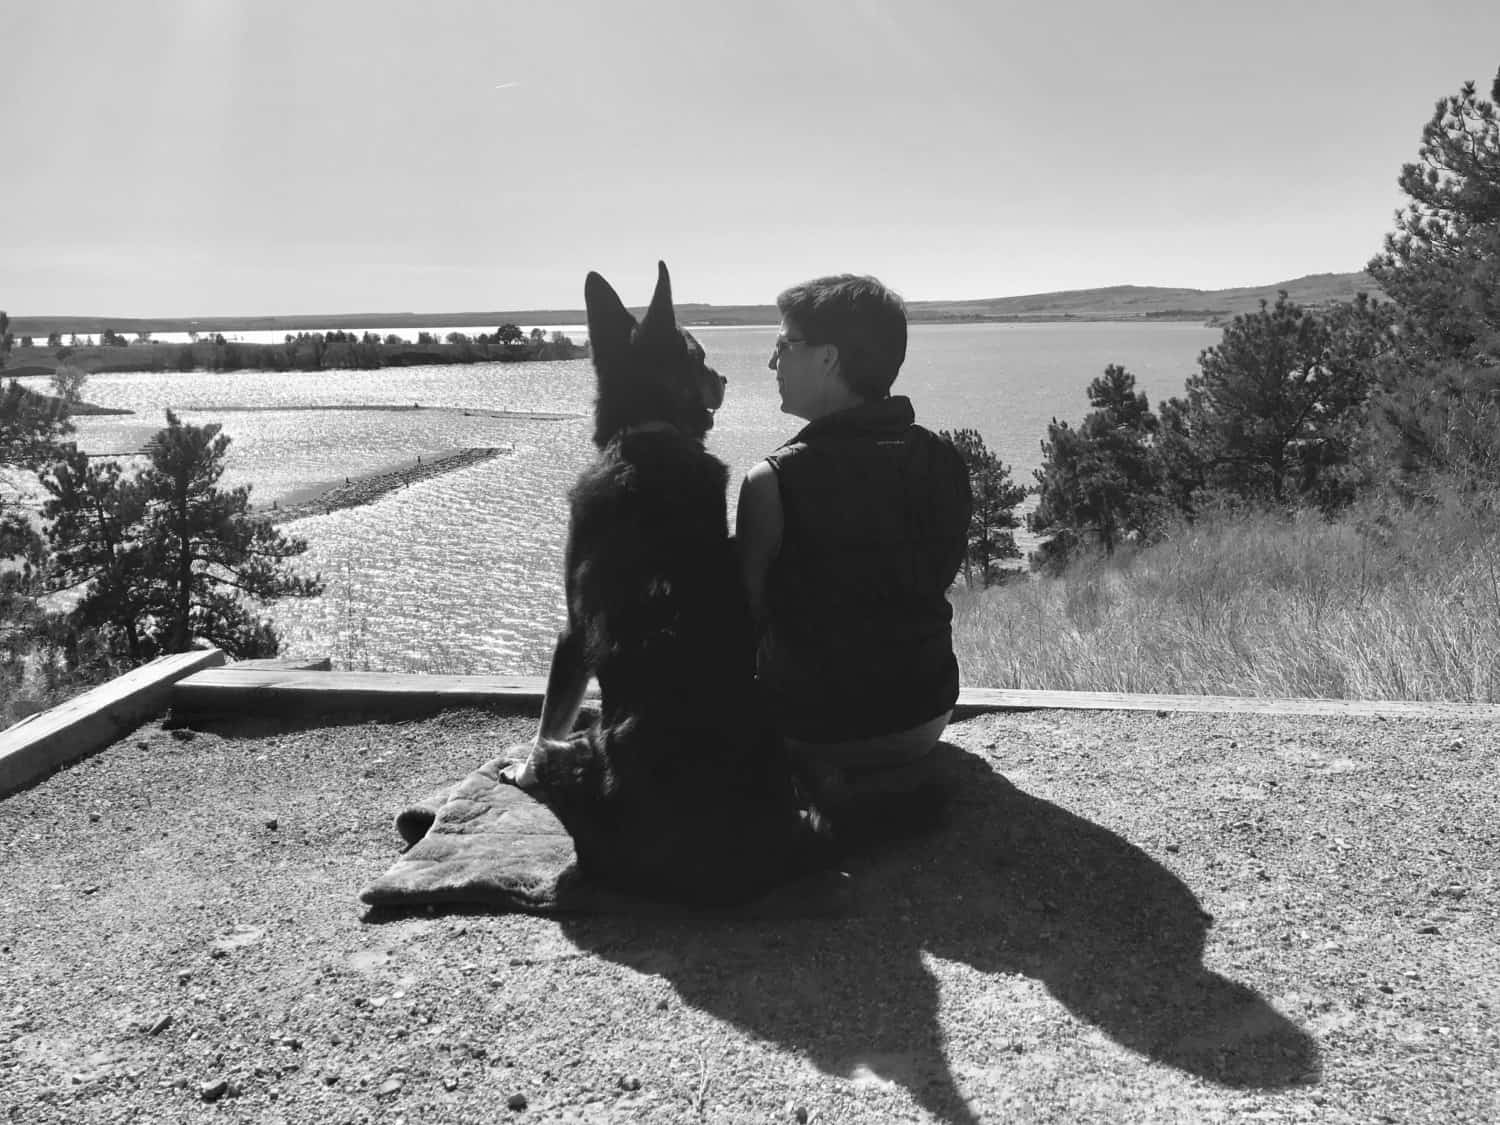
78, 727
287, 663
973, 701
292, 692
237, 688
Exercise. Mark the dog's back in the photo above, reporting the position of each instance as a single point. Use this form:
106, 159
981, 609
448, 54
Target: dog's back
653, 577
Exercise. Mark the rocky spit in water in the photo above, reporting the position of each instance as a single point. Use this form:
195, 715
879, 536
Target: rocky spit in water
366, 490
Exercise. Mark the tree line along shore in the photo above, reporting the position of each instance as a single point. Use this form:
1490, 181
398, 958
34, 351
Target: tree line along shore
306, 351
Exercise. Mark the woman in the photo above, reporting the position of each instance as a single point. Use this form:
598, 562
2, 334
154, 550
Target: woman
849, 536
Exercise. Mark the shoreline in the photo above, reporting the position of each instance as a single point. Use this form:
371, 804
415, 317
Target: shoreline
156, 357
356, 492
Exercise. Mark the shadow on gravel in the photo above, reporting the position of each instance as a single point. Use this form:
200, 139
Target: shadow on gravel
1012, 885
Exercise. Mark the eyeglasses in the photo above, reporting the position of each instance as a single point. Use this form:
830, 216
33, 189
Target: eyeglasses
784, 344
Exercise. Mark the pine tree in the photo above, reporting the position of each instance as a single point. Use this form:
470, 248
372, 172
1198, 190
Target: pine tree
993, 519
1275, 411
94, 522
167, 558
32, 429
1439, 264
206, 549
1439, 397
1099, 484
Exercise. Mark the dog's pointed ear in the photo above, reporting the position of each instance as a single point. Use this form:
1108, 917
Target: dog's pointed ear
610, 322
660, 322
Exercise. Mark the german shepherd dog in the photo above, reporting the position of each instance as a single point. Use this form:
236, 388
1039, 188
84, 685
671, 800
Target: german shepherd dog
680, 790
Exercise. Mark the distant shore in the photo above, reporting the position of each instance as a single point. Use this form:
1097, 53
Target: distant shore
354, 492
335, 351
1109, 303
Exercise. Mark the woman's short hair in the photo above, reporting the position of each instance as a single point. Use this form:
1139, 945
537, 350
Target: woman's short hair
862, 318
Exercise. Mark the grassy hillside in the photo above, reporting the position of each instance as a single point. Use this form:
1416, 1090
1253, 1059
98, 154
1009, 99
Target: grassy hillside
1259, 604
1143, 302
1118, 302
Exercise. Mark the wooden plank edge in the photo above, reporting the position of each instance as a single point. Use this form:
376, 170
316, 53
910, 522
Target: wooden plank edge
289, 663
287, 692
974, 701
85, 724
233, 688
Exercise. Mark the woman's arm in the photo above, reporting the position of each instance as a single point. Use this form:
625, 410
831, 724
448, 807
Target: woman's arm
757, 535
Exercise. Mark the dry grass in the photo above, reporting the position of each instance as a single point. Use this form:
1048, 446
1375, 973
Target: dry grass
1387, 603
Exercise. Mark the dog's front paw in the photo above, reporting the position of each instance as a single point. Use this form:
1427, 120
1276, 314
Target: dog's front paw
521, 773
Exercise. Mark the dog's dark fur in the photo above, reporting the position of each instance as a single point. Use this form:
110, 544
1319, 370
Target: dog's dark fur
680, 789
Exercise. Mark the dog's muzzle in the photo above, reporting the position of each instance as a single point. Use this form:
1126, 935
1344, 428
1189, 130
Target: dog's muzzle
711, 386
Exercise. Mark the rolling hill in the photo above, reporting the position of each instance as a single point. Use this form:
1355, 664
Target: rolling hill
1117, 302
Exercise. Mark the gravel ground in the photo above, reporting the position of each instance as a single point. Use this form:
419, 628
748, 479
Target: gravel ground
1133, 917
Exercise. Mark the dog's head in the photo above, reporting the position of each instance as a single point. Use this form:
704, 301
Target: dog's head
648, 372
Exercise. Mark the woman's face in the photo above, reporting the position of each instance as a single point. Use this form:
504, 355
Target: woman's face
803, 371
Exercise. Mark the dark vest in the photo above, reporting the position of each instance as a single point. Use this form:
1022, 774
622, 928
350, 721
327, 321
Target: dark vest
859, 639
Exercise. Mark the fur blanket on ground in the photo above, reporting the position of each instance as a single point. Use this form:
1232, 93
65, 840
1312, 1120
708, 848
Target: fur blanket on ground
483, 844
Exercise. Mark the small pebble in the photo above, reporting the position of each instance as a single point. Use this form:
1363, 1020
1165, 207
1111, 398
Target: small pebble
213, 1091
450, 1084
160, 1025
93, 818
800, 1113
271, 823
389, 1088
1174, 848
630, 1082
516, 1102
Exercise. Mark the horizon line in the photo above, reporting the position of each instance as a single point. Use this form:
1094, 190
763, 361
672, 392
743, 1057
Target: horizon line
576, 313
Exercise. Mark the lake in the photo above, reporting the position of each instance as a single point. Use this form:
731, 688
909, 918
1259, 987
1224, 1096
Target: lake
463, 573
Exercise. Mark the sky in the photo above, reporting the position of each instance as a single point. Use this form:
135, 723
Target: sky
260, 157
